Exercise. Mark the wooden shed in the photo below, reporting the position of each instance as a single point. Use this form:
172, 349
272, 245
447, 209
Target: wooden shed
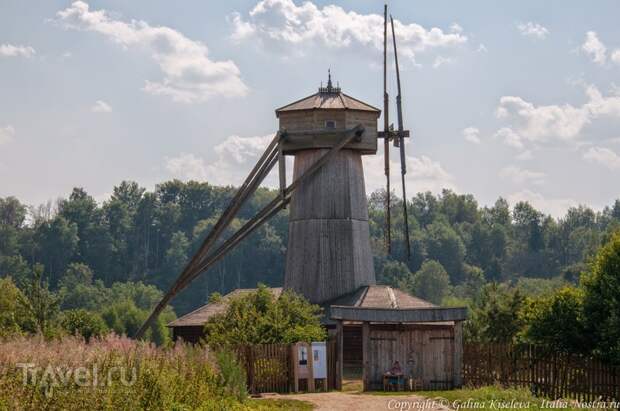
378, 325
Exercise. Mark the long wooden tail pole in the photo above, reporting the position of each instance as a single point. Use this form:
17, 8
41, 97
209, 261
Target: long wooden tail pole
256, 176
277, 203
401, 144
386, 141
194, 270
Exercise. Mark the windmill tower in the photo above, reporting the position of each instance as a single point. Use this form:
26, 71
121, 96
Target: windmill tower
328, 251
329, 256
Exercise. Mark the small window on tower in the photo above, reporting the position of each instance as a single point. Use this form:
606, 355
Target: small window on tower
330, 124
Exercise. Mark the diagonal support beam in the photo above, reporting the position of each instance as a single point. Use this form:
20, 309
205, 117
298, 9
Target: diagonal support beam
199, 263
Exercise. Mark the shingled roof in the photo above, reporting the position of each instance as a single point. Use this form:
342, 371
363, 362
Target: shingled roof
380, 296
327, 101
372, 296
201, 315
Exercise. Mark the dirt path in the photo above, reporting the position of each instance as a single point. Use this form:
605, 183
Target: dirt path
342, 401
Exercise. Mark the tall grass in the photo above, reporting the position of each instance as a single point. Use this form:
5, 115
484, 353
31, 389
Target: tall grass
114, 373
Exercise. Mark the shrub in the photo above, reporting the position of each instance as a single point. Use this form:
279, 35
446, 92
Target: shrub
260, 318
84, 323
232, 375
602, 301
556, 321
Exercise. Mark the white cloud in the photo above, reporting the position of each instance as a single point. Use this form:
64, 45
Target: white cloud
594, 48
235, 157
282, 22
509, 137
6, 134
519, 176
472, 134
101, 106
603, 156
526, 155
533, 30
456, 28
615, 56
553, 122
423, 174
190, 76
482, 48
556, 207
9, 50
440, 61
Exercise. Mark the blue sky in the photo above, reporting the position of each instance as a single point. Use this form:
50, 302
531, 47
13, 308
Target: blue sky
520, 99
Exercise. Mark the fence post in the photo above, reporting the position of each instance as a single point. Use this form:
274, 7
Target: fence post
457, 365
249, 355
339, 344
294, 361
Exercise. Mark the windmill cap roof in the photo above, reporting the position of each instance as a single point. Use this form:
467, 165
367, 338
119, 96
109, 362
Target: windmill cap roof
327, 99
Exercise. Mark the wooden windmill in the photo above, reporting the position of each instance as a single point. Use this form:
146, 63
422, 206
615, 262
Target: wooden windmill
328, 252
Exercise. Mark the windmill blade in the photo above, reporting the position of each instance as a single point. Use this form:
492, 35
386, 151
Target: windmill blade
401, 144
386, 139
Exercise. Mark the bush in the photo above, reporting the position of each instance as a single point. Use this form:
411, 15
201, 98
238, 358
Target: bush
602, 301
431, 282
260, 318
556, 321
232, 375
82, 322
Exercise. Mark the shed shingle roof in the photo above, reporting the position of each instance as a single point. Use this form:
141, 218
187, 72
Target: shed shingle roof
201, 315
372, 296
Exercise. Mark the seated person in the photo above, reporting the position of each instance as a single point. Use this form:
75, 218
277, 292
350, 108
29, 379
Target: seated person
395, 370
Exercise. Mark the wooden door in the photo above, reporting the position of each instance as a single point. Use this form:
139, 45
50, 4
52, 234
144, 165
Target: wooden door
438, 359
382, 353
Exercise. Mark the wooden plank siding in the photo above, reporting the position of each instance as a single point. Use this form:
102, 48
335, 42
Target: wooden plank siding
398, 315
328, 252
423, 352
310, 120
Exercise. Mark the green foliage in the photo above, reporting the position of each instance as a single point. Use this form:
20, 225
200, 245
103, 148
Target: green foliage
98, 256
259, 318
395, 274
491, 398
39, 303
535, 287
10, 313
556, 321
131, 376
77, 274
495, 315
431, 282
445, 246
602, 300
232, 375
84, 323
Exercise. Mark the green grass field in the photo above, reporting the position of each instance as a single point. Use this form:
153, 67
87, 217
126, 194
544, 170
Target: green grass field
490, 398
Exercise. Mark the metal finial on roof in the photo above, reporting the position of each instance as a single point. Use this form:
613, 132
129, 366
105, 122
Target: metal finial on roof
330, 87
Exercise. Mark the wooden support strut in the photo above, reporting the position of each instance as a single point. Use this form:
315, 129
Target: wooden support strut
274, 206
256, 176
199, 263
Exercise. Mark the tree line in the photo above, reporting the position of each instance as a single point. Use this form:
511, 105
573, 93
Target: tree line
84, 252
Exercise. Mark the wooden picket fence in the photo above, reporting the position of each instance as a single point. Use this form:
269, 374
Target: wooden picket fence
546, 373
267, 366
